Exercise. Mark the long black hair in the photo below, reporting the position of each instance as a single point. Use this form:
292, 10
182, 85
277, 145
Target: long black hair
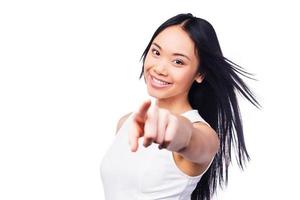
215, 99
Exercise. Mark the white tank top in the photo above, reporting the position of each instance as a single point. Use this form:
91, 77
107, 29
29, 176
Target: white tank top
148, 173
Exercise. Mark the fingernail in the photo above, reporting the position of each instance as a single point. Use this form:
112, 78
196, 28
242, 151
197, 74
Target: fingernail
132, 150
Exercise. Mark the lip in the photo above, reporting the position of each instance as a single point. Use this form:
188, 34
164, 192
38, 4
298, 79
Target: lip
157, 85
158, 79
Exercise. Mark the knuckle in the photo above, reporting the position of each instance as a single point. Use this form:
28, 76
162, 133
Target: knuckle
149, 136
159, 137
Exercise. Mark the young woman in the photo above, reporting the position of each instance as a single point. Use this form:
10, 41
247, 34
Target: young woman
179, 147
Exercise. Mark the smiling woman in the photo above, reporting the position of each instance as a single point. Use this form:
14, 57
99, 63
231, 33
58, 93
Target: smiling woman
172, 59
187, 133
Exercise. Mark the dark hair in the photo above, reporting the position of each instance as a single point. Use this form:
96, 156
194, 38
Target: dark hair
215, 99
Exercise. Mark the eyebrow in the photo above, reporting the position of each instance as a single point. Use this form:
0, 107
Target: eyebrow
176, 54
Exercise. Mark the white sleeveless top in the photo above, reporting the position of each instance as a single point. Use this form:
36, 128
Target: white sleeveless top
148, 173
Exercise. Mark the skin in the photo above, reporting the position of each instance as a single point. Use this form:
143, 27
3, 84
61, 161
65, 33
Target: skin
193, 144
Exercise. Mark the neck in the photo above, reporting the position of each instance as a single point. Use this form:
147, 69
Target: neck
174, 107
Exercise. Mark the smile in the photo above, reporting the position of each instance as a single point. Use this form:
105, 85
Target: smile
158, 83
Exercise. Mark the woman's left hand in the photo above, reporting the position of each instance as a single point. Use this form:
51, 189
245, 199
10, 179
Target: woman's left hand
160, 126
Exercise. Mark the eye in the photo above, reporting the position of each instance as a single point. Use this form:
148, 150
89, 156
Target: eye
179, 62
153, 51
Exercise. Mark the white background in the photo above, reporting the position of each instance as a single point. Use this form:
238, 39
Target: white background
69, 70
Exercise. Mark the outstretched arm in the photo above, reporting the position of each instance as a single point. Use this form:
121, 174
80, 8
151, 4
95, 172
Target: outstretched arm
204, 142
196, 142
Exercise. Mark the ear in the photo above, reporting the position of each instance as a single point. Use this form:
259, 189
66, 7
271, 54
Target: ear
199, 78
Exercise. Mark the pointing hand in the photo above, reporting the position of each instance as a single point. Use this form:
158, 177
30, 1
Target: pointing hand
160, 126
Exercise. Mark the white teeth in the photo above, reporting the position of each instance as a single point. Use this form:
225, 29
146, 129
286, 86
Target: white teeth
160, 82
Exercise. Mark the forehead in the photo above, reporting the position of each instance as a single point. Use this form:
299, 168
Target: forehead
175, 40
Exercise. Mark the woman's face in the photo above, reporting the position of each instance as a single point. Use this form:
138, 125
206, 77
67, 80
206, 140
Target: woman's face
171, 58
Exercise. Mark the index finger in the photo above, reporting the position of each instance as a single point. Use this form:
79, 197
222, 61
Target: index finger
142, 111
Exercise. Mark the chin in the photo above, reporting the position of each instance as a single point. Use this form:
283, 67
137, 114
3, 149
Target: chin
157, 95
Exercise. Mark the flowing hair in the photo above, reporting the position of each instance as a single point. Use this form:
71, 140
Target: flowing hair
215, 99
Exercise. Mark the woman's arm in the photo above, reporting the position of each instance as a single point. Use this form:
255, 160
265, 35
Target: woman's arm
204, 143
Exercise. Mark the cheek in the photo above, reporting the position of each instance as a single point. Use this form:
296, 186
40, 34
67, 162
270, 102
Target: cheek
182, 79
149, 62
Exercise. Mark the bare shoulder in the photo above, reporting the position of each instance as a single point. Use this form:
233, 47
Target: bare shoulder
121, 121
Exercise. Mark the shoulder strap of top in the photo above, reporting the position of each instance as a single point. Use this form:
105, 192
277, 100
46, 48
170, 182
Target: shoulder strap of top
194, 116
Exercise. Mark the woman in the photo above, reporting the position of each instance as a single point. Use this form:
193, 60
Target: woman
179, 147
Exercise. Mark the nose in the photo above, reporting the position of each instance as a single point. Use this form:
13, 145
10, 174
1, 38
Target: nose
160, 69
